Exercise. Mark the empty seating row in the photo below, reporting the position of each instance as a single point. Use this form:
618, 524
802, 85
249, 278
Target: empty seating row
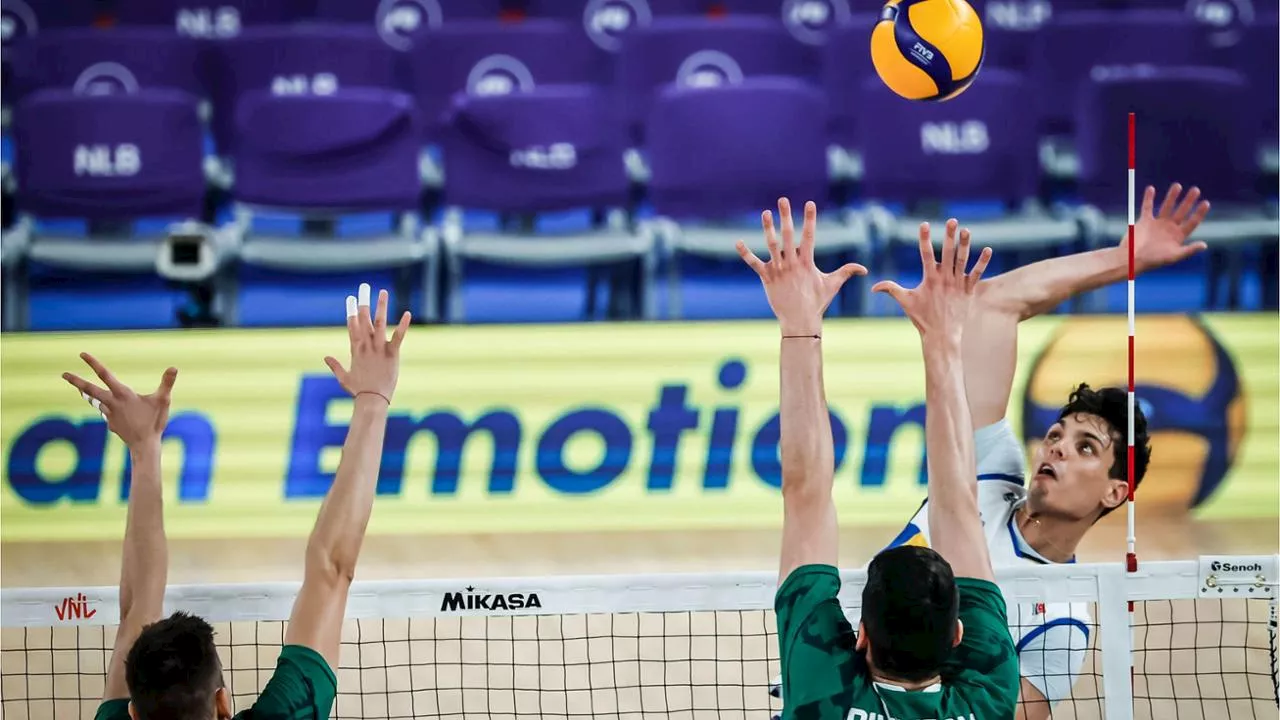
714, 152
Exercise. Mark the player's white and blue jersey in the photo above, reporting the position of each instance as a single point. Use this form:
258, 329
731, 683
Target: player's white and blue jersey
1052, 639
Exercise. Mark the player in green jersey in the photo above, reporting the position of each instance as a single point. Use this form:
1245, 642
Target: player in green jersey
933, 642
168, 669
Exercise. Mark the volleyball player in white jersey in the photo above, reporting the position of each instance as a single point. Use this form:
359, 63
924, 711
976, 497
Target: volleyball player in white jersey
1079, 470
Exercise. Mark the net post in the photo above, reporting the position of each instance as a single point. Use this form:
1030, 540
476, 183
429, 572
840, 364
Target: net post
1115, 645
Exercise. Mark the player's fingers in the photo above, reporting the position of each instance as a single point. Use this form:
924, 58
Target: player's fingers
750, 258
893, 290
788, 228
810, 228
380, 316
362, 307
1196, 218
1191, 249
770, 237
108, 379
843, 273
166, 383
338, 371
397, 336
353, 319
88, 390
949, 250
980, 267
928, 261
1170, 199
962, 253
1148, 201
1185, 207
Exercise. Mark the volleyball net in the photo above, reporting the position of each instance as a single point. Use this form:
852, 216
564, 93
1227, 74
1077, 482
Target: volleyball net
1200, 643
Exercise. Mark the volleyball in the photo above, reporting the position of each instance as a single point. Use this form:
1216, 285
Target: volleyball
927, 49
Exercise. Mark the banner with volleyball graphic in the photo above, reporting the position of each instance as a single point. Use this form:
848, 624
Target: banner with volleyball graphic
597, 427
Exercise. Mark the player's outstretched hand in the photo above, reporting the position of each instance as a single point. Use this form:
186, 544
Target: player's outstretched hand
137, 419
375, 360
1160, 239
939, 305
798, 291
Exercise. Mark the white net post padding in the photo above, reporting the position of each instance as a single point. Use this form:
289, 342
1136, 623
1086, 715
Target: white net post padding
632, 646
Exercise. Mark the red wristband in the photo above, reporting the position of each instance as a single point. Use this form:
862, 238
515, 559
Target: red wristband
371, 392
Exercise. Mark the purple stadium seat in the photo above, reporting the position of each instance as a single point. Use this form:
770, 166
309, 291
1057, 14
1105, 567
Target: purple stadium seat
979, 146
846, 63
108, 160
209, 19
21, 20
114, 157
1191, 128
492, 58
1075, 46
104, 62
545, 150
1255, 57
325, 156
296, 60
400, 22
550, 149
606, 21
808, 21
721, 153
702, 53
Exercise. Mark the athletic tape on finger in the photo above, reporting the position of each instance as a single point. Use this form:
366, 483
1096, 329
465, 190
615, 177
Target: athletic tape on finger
94, 402
351, 306
364, 294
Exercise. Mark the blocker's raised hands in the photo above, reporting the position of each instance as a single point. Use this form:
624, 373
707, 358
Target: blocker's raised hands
798, 291
939, 305
375, 360
137, 419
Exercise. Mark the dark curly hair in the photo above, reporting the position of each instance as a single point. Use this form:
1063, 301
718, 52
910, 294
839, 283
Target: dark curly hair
1112, 405
173, 670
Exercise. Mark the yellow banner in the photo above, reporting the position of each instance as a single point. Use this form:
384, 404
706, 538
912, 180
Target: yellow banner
593, 427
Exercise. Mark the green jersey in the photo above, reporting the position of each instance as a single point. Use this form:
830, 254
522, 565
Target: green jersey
823, 678
303, 687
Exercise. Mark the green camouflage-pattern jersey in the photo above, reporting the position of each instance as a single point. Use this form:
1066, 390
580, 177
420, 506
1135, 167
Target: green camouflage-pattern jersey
303, 687
823, 678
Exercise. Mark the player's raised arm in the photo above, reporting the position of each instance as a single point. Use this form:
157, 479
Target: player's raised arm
938, 308
334, 545
991, 333
139, 420
799, 294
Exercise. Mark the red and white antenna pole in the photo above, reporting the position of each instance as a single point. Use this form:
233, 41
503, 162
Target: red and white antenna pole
1131, 556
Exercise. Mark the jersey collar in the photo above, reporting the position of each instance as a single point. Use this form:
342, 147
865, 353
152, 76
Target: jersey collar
1021, 547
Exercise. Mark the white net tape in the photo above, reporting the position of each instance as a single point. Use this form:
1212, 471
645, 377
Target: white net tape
1201, 642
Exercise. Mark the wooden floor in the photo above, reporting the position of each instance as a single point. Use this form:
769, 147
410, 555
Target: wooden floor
1197, 659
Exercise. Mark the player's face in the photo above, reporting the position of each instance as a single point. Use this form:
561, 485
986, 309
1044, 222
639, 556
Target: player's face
1070, 470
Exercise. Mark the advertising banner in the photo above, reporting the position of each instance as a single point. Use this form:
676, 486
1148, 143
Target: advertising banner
596, 427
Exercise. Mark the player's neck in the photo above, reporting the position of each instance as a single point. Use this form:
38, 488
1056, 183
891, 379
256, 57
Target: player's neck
879, 677
1054, 538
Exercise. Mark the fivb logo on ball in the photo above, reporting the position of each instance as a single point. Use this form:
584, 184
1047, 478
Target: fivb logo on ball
398, 21
606, 21
810, 20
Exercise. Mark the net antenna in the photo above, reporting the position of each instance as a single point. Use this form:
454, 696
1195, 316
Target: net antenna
1131, 555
